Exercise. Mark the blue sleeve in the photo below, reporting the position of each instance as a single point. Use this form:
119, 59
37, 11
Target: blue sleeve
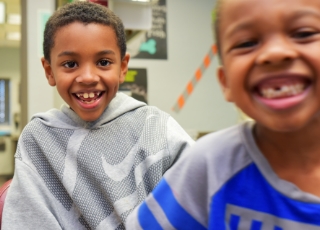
179, 201
174, 216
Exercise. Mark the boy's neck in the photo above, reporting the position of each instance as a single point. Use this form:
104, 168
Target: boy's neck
294, 156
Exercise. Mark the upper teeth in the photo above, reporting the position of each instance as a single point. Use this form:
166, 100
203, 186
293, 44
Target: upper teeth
88, 95
282, 91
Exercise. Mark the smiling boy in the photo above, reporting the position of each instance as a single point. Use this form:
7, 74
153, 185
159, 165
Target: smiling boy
89, 164
263, 174
77, 84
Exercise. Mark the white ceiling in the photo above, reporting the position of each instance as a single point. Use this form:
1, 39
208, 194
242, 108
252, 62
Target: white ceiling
12, 8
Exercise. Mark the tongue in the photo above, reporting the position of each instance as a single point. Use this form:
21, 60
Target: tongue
88, 98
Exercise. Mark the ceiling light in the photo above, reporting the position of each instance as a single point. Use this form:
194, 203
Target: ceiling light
2, 12
14, 19
13, 36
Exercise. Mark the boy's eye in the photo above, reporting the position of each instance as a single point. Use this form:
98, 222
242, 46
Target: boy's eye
304, 34
246, 44
103, 62
70, 64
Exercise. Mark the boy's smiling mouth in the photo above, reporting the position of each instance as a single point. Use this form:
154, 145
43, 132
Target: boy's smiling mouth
88, 97
282, 92
281, 88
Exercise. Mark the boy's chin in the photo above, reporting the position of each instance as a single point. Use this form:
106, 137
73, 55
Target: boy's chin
289, 125
88, 117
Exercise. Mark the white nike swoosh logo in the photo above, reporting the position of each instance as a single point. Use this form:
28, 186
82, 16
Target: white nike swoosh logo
70, 167
120, 171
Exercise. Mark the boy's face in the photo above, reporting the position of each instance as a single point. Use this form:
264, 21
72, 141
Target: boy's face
86, 67
271, 60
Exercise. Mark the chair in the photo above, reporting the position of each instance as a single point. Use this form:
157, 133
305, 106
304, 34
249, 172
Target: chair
3, 193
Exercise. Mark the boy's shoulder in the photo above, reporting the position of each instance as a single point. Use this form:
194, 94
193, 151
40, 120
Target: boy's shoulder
224, 141
149, 109
228, 147
212, 161
123, 104
42, 118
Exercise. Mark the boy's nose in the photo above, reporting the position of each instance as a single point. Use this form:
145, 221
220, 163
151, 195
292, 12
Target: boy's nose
87, 76
276, 52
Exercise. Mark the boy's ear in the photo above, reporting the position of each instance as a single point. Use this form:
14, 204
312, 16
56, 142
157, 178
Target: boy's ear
224, 84
48, 71
124, 67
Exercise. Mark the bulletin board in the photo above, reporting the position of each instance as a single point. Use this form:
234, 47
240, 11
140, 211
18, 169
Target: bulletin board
135, 84
152, 44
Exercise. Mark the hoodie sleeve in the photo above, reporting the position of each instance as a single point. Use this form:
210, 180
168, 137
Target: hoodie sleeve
165, 207
178, 140
27, 203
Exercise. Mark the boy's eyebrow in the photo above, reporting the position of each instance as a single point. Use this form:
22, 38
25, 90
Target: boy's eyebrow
238, 27
106, 52
248, 24
71, 53
312, 12
66, 53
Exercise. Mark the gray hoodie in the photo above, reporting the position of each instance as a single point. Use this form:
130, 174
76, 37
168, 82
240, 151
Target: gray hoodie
72, 174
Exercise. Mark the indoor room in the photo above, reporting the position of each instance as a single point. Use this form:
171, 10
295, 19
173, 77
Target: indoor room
159, 114
172, 66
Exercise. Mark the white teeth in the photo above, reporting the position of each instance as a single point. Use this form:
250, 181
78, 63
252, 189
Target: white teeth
283, 91
88, 95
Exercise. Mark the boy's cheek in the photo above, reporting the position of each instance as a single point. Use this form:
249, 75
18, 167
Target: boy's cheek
227, 95
224, 84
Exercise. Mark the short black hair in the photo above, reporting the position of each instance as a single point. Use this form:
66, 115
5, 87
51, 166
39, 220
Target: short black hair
84, 12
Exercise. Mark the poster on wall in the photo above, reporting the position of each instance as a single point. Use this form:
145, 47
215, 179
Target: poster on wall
151, 44
135, 84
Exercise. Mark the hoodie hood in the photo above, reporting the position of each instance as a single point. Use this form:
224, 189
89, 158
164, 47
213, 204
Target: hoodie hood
68, 119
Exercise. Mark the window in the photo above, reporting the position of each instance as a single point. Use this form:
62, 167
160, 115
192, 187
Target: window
4, 101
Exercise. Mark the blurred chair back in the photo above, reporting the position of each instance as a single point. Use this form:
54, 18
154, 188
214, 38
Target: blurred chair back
3, 193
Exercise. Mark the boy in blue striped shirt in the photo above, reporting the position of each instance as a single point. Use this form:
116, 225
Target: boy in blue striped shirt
262, 174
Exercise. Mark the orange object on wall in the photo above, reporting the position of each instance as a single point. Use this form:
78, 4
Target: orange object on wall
195, 79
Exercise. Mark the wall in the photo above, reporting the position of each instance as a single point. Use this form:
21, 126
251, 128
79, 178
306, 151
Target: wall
10, 62
189, 40
37, 95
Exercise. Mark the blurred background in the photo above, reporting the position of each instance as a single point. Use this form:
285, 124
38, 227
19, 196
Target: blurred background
173, 65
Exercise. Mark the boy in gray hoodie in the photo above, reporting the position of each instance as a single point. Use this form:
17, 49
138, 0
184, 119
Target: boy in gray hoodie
89, 164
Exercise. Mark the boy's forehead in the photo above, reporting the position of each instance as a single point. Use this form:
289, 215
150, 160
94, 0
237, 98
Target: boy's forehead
249, 6
94, 36
78, 25
235, 11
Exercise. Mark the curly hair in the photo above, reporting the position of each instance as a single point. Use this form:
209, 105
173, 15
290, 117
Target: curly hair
84, 12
